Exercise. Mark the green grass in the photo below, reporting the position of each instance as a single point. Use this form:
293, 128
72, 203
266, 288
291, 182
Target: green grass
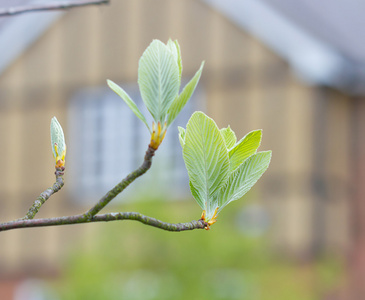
133, 261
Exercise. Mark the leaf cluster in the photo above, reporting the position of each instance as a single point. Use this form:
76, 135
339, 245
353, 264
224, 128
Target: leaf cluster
221, 169
159, 80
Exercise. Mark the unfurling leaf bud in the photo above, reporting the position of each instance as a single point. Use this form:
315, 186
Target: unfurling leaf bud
157, 135
58, 143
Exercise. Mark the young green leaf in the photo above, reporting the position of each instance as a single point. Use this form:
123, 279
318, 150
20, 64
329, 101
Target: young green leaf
196, 194
158, 79
180, 101
122, 94
58, 142
206, 158
179, 60
243, 178
175, 49
229, 137
172, 47
244, 148
181, 136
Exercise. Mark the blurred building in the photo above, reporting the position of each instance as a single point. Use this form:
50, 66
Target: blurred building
261, 71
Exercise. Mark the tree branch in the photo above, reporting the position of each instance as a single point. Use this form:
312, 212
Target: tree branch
49, 6
122, 185
90, 215
79, 219
43, 197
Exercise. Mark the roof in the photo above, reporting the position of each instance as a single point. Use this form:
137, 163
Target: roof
17, 33
324, 42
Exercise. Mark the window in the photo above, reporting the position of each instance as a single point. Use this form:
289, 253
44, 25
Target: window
107, 141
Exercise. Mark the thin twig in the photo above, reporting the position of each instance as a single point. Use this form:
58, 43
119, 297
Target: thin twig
91, 215
43, 197
49, 6
122, 185
79, 219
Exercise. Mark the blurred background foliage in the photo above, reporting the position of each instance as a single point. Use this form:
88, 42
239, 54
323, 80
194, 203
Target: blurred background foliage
132, 261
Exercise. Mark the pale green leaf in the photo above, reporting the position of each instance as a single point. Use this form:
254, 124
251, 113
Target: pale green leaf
179, 60
57, 140
178, 104
211, 207
197, 196
206, 158
175, 49
244, 148
229, 137
172, 47
122, 94
243, 178
181, 136
158, 79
